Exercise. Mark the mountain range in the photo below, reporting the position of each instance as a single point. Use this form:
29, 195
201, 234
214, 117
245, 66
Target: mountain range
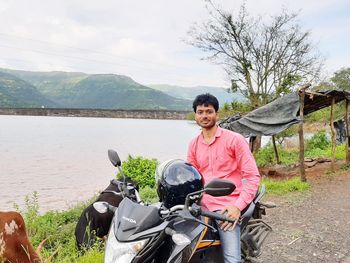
100, 91
189, 93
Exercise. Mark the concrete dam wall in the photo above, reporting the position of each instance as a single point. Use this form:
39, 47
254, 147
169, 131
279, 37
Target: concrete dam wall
97, 113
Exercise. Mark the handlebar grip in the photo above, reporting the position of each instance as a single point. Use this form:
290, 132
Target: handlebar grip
217, 216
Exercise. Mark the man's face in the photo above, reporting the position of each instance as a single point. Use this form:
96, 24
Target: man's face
206, 116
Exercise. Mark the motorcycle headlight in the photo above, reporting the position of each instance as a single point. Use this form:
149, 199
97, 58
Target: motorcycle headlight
121, 252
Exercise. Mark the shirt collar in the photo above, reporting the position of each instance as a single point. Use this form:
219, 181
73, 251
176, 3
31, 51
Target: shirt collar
217, 134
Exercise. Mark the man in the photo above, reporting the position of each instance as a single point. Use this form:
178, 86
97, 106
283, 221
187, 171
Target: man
224, 154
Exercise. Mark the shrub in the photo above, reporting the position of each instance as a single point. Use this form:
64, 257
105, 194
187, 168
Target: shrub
266, 156
288, 157
140, 170
149, 195
291, 131
327, 152
318, 141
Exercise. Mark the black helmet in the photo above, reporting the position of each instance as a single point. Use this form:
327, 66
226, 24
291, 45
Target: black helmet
175, 179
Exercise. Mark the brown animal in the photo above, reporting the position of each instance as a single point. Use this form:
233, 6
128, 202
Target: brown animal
15, 246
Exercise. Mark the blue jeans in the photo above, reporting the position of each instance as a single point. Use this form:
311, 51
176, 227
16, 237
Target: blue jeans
231, 244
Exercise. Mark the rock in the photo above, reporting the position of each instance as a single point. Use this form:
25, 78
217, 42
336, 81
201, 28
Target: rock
310, 164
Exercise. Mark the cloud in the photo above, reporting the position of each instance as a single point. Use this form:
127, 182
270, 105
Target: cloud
142, 39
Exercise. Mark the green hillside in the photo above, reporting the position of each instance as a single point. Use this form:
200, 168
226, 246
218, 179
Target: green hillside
119, 92
54, 85
105, 91
15, 92
190, 93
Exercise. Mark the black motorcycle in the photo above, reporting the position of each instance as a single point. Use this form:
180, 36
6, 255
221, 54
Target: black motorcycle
142, 233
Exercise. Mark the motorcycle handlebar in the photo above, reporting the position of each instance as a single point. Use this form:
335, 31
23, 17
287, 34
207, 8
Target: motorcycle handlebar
217, 216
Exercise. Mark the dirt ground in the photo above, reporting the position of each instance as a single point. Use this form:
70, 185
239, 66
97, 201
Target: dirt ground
312, 226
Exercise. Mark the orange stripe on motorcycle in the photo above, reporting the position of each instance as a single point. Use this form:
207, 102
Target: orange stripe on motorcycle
208, 243
201, 237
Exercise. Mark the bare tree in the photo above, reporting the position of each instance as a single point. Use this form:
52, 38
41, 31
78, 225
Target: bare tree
264, 60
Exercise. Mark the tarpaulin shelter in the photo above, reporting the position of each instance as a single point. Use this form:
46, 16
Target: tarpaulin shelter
286, 111
269, 119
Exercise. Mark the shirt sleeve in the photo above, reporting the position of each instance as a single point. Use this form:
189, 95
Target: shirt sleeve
191, 157
249, 171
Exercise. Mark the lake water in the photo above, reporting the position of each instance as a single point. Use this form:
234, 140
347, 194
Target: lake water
65, 159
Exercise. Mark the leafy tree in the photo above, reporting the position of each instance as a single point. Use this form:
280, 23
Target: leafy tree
263, 59
324, 85
341, 79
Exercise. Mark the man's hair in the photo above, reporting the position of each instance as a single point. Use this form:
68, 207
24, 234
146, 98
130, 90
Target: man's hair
206, 100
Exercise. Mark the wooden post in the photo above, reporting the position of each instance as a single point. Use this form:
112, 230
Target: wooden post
333, 132
256, 143
301, 135
347, 121
275, 148
251, 142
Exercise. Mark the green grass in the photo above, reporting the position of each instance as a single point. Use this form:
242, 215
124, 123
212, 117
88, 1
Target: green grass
282, 187
346, 167
327, 153
94, 255
325, 113
58, 228
266, 156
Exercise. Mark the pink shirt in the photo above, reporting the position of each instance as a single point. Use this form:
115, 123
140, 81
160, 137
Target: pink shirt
227, 157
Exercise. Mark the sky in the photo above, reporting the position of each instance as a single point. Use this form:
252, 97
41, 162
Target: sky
146, 39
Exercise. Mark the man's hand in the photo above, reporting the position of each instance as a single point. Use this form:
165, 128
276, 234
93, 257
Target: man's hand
231, 212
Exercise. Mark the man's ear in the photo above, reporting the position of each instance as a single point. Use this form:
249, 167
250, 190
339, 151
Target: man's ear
217, 116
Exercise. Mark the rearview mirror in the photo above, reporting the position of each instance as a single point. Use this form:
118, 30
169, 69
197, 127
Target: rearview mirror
101, 207
114, 158
219, 187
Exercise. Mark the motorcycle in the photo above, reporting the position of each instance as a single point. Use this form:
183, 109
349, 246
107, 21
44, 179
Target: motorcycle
143, 233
